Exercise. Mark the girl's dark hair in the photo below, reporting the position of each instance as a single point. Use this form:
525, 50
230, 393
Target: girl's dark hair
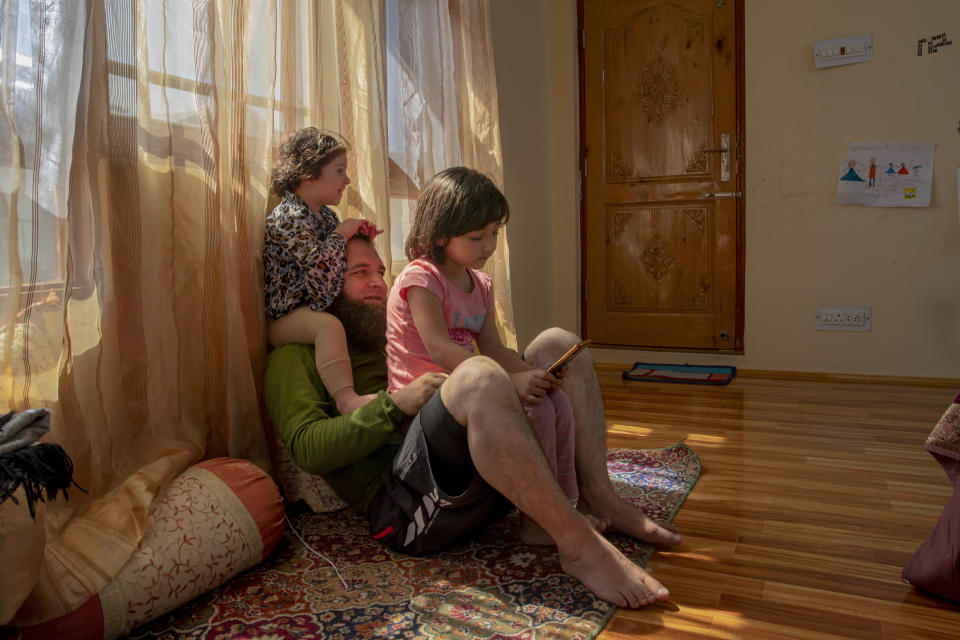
454, 202
302, 156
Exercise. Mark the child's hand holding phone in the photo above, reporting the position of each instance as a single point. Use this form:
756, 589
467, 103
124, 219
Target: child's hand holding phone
556, 369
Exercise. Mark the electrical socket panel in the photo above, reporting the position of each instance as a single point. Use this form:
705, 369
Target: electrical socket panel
833, 53
843, 318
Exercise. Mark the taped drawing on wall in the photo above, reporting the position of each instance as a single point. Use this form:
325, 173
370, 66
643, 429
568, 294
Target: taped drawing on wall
905, 182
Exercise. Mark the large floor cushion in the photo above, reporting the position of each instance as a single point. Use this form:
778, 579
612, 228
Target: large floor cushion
216, 519
935, 566
303, 485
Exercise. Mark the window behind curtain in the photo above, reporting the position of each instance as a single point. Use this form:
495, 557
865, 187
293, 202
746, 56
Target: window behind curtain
421, 107
179, 79
42, 43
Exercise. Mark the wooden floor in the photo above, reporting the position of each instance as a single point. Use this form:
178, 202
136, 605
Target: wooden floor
813, 496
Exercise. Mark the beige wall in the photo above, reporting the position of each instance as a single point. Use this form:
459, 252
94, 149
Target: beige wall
537, 80
803, 249
519, 43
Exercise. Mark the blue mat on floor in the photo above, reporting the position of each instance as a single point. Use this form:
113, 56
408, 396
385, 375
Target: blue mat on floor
681, 373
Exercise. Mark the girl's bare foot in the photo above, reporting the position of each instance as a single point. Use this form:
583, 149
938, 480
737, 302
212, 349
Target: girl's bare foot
628, 519
531, 533
601, 524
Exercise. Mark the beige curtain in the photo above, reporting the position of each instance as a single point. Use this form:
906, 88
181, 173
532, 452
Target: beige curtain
479, 119
135, 149
361, 80
138, 317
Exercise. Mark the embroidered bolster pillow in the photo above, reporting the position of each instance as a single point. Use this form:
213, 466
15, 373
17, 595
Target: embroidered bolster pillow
216, 519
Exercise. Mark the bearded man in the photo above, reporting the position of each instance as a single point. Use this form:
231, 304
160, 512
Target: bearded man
387, 458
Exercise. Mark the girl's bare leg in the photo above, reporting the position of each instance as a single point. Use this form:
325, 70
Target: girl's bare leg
324, 331
597, 496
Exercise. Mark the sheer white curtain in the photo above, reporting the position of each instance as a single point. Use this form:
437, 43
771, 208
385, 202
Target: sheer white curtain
41, 60
421, 88
442, 111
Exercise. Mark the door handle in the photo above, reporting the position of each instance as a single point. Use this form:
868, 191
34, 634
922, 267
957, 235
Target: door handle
730, 194
724, 152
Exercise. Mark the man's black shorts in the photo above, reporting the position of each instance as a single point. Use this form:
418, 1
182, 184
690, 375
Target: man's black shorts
411, 513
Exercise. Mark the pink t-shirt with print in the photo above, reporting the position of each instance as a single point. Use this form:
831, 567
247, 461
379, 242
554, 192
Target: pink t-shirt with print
463, 313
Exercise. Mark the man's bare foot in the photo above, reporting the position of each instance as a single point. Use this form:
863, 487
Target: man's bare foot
628, 519
611, 575
348, 401
531, 533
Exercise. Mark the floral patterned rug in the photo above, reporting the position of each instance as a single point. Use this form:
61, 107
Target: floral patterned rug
493, 587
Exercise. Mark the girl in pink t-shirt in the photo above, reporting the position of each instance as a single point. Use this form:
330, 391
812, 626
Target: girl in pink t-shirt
440, 305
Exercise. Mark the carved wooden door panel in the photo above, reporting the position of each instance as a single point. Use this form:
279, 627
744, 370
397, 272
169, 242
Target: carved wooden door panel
662, 211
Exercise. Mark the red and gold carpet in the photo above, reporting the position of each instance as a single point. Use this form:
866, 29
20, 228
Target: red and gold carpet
493, 587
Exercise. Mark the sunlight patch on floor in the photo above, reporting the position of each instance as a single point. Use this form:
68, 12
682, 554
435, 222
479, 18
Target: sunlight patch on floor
698, 556
702, 438
629, 430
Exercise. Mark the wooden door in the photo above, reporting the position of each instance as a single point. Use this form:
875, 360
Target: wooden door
662, 214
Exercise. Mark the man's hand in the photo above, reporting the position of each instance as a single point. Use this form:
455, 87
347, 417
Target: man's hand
412, 397
532, 385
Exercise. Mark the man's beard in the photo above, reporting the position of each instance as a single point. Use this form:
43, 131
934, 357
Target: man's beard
365, 324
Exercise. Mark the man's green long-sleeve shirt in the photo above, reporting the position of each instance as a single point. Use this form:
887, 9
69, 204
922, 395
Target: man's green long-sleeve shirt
349, 451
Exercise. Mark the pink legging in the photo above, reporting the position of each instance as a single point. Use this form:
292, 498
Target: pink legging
552, 420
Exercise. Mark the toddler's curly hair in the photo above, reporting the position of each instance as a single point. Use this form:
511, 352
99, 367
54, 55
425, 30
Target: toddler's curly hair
302, 156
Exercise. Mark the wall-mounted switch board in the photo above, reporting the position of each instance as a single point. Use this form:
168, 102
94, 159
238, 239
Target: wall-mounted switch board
832, 53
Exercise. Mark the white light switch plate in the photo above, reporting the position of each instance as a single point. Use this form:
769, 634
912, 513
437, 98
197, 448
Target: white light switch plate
832, 53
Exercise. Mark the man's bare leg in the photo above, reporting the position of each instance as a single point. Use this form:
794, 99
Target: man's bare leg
597, 496
506, 453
